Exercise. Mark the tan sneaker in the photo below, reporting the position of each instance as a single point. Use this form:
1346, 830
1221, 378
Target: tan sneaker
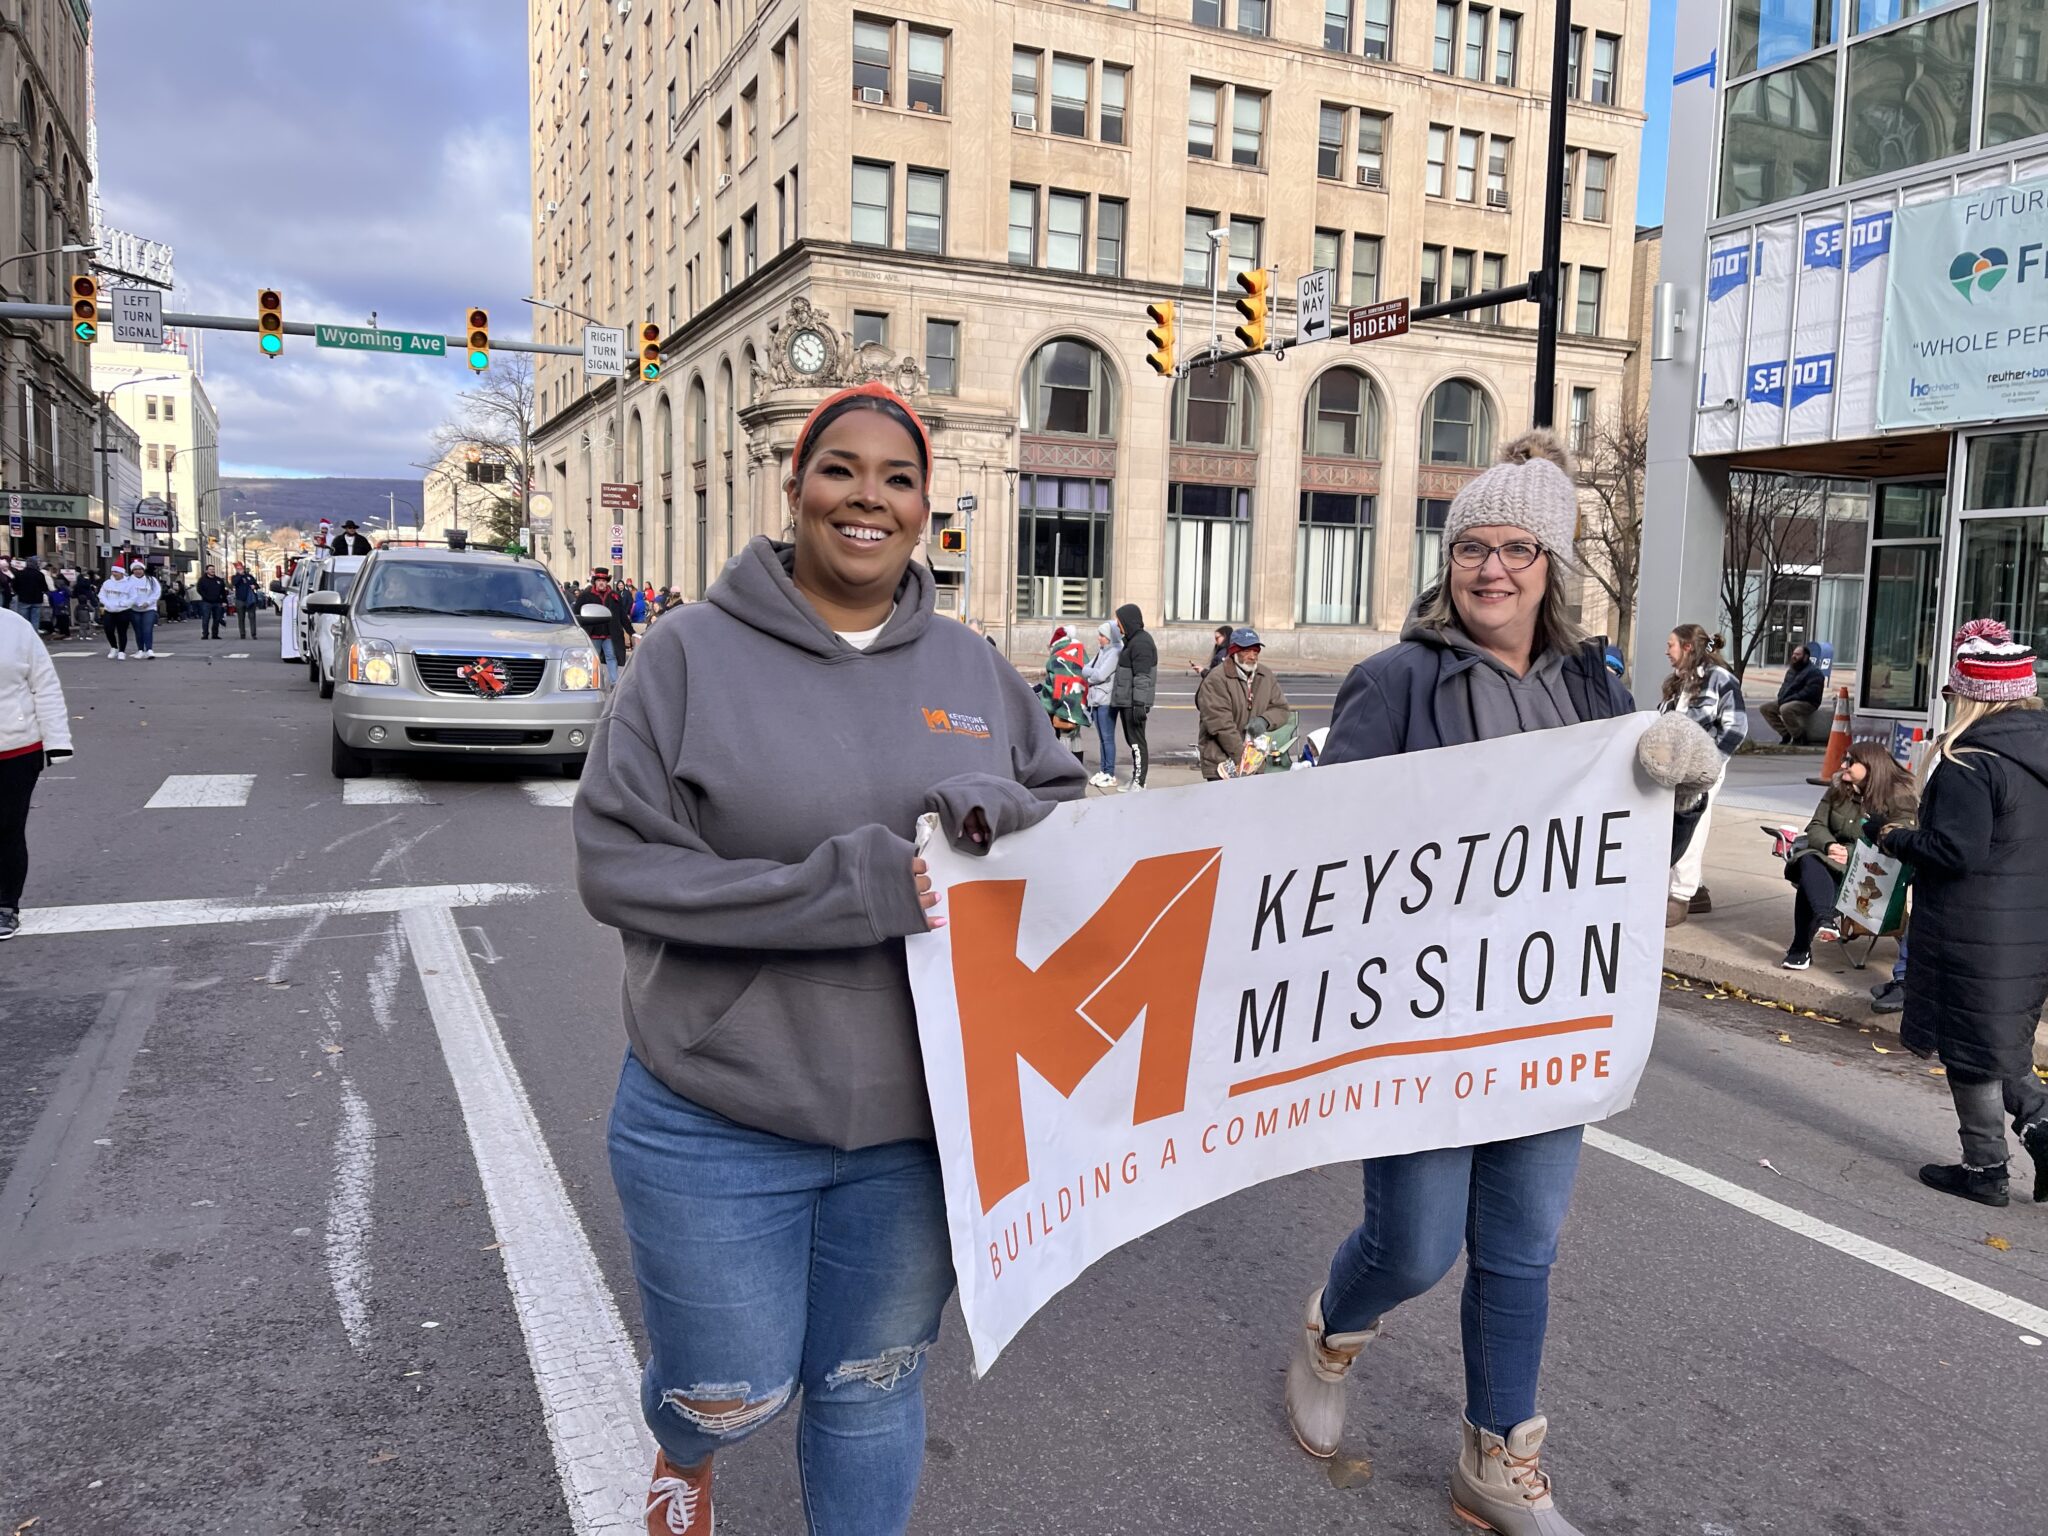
1315, 1379
1499, 1483
679, 1503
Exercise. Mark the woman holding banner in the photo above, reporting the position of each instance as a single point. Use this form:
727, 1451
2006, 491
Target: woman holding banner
1490, 651
771, 1139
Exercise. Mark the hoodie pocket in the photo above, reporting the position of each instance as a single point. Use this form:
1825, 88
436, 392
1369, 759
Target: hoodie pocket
689, 997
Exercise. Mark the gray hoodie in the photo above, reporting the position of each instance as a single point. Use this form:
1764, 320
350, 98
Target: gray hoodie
745, 821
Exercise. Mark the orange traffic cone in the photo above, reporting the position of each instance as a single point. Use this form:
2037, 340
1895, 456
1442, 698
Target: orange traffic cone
1838, 738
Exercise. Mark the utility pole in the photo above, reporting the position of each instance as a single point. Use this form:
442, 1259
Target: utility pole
1549, 302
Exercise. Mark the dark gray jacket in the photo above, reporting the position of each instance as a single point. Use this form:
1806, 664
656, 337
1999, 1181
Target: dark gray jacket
1136, 685
745, 820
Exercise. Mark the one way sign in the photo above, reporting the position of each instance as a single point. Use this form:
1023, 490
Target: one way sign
1312, 299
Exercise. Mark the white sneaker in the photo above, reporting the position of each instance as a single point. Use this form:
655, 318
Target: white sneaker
1104, 781
120, 655
112, 654
149, 655
1131, 788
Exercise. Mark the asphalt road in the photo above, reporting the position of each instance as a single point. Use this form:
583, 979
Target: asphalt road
256, 1274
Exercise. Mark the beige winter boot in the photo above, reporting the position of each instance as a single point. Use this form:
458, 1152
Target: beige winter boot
1499, 1484
1315, 1379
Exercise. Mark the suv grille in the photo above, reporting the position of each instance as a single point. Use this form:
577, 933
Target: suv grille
474, 736
438, 673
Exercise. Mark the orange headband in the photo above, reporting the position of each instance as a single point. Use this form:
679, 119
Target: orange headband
878, 391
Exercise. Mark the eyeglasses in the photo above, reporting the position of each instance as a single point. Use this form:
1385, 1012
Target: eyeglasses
1519, 556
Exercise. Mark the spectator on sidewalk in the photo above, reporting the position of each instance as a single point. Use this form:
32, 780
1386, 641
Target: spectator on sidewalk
144, 593
1870, 783
1217, 652
117, 598
1703, 688
213, 598
1101, 675
1136, 689
31, 592
60, 606
1890, 996
1798, 697
1237, 701
1064, 692
248, 603
35, 729
1980, 907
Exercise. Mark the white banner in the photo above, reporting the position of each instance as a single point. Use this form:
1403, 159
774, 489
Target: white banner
1810, 380
1145, 1004
1724, 344
1870, 261
1770, 336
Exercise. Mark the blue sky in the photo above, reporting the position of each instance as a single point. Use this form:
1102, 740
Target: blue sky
1657, 132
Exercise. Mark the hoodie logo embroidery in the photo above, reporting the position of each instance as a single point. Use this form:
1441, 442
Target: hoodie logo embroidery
944, 722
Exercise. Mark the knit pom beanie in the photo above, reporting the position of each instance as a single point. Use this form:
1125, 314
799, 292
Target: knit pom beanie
1990, 665
1530, 488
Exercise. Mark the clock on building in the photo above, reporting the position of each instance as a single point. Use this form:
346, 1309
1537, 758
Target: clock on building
807, 352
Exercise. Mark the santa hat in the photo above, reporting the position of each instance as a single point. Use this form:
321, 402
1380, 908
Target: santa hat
1990, 665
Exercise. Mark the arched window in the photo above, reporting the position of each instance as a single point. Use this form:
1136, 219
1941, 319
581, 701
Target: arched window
1209, 496
700, 454
729, 423
1339, 497
636, 473
1066, 494
665, 438
1069, 390
1457, 433
748, 363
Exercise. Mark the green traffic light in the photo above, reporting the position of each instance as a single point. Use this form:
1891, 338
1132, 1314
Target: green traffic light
650, 372
85, 330
479, 359
271, 343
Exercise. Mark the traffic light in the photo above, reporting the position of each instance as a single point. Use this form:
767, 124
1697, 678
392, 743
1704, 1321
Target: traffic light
1162, 337
479, 339
650, 351
270, 321
1253, 307
952, 541
85, 307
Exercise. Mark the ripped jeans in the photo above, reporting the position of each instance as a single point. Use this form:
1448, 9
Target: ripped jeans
769, 1267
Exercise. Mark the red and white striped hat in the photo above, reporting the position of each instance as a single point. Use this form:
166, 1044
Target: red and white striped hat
1990, 665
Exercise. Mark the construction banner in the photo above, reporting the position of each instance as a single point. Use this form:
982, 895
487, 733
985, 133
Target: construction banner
1149, 1002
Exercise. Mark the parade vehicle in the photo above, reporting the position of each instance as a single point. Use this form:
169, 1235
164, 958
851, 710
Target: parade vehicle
314, 632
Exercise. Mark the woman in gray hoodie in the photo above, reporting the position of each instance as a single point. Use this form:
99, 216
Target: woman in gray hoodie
771, 1140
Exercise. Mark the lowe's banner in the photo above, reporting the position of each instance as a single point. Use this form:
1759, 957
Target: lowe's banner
1966, 310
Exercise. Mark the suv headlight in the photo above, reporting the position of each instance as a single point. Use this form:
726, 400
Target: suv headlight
374, 662
579, 670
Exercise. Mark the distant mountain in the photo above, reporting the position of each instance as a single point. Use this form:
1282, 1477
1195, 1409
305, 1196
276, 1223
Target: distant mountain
302, 503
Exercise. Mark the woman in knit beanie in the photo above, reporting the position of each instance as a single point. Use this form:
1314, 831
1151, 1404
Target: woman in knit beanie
1979, 974
1490, 651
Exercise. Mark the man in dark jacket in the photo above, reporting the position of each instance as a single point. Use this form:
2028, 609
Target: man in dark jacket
213, 593
248, 602
31, 592
348, 541
1798, 697
1135, 688
1237, 700
614, 637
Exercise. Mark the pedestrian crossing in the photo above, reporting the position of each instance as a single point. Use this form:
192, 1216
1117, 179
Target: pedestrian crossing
233, 791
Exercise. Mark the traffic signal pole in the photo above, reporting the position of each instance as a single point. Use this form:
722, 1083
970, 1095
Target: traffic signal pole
1549, 301
457, 345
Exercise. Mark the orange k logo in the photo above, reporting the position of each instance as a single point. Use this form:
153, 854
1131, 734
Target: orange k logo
1141, 954
937, 720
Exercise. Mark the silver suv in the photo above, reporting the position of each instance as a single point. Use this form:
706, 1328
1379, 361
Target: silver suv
458, 652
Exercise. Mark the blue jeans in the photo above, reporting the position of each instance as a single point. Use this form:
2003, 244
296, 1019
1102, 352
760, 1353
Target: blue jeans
1503, 1203
1899, 965
33, 612
604, 655
216, 619
767, 1266
1105, 735
145, 628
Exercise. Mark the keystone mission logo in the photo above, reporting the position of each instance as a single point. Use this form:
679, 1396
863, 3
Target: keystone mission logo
1975, 272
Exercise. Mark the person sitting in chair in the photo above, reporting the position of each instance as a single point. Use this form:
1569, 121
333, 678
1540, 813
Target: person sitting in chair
1870, 783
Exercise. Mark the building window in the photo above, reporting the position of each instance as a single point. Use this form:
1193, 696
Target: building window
1333, 559
871, 61
1493, 276
1777, 138
1023, 226
1247, 244
1581, 423
750, 126
1761, 35
1115, 83
1430, 289
871, 221
1255, 17
1444, 54
724, 266
1598, 169
1430, 515
1905, 584
1207, 13
1209, 527
1905, 91
154, 462
1343, 416
1365, 269
1066, 228
942, 356
924, 212
927, 87
1337, 25
1439, 155
1070, 97
1023, 89
1198, 251
1330, 142
2015, 81
1378, 39
1468, 166
1476, 17
1575, 58
1606, 63
1247, 126
1461, 278
1063, 544
1068, 391
1457, 426
1202, 120
1372, 149
870, 329
750, 244
1497, 151
1587, 319
149, 407
1507, 40
1328, 252
1109, 237
1215, 408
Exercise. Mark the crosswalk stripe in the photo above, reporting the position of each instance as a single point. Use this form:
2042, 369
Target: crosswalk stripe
212, 791
383, 792
553, 793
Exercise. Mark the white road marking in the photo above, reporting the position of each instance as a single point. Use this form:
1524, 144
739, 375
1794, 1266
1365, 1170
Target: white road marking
582, 1357
383, 792
2008, 1309
348, 1215
67, 655
211, 791
383, 978
557, 794
117, 916
238, 656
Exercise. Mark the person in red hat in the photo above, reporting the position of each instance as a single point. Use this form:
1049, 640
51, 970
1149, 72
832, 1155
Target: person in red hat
771, 1140
1979, 974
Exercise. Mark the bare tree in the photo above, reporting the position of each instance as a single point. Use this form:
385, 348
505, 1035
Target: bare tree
1774, 528
495, 425
1610, 541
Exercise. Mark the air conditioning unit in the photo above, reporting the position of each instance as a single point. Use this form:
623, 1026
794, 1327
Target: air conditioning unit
1496, 198
1025, 120
583, 74
625, 7
606, 42
724, 180
696, 206
873, 96
1369, 176
553, 206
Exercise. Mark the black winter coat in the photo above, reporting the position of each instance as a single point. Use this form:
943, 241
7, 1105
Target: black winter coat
1136, 684
1978, 973
1802, 685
